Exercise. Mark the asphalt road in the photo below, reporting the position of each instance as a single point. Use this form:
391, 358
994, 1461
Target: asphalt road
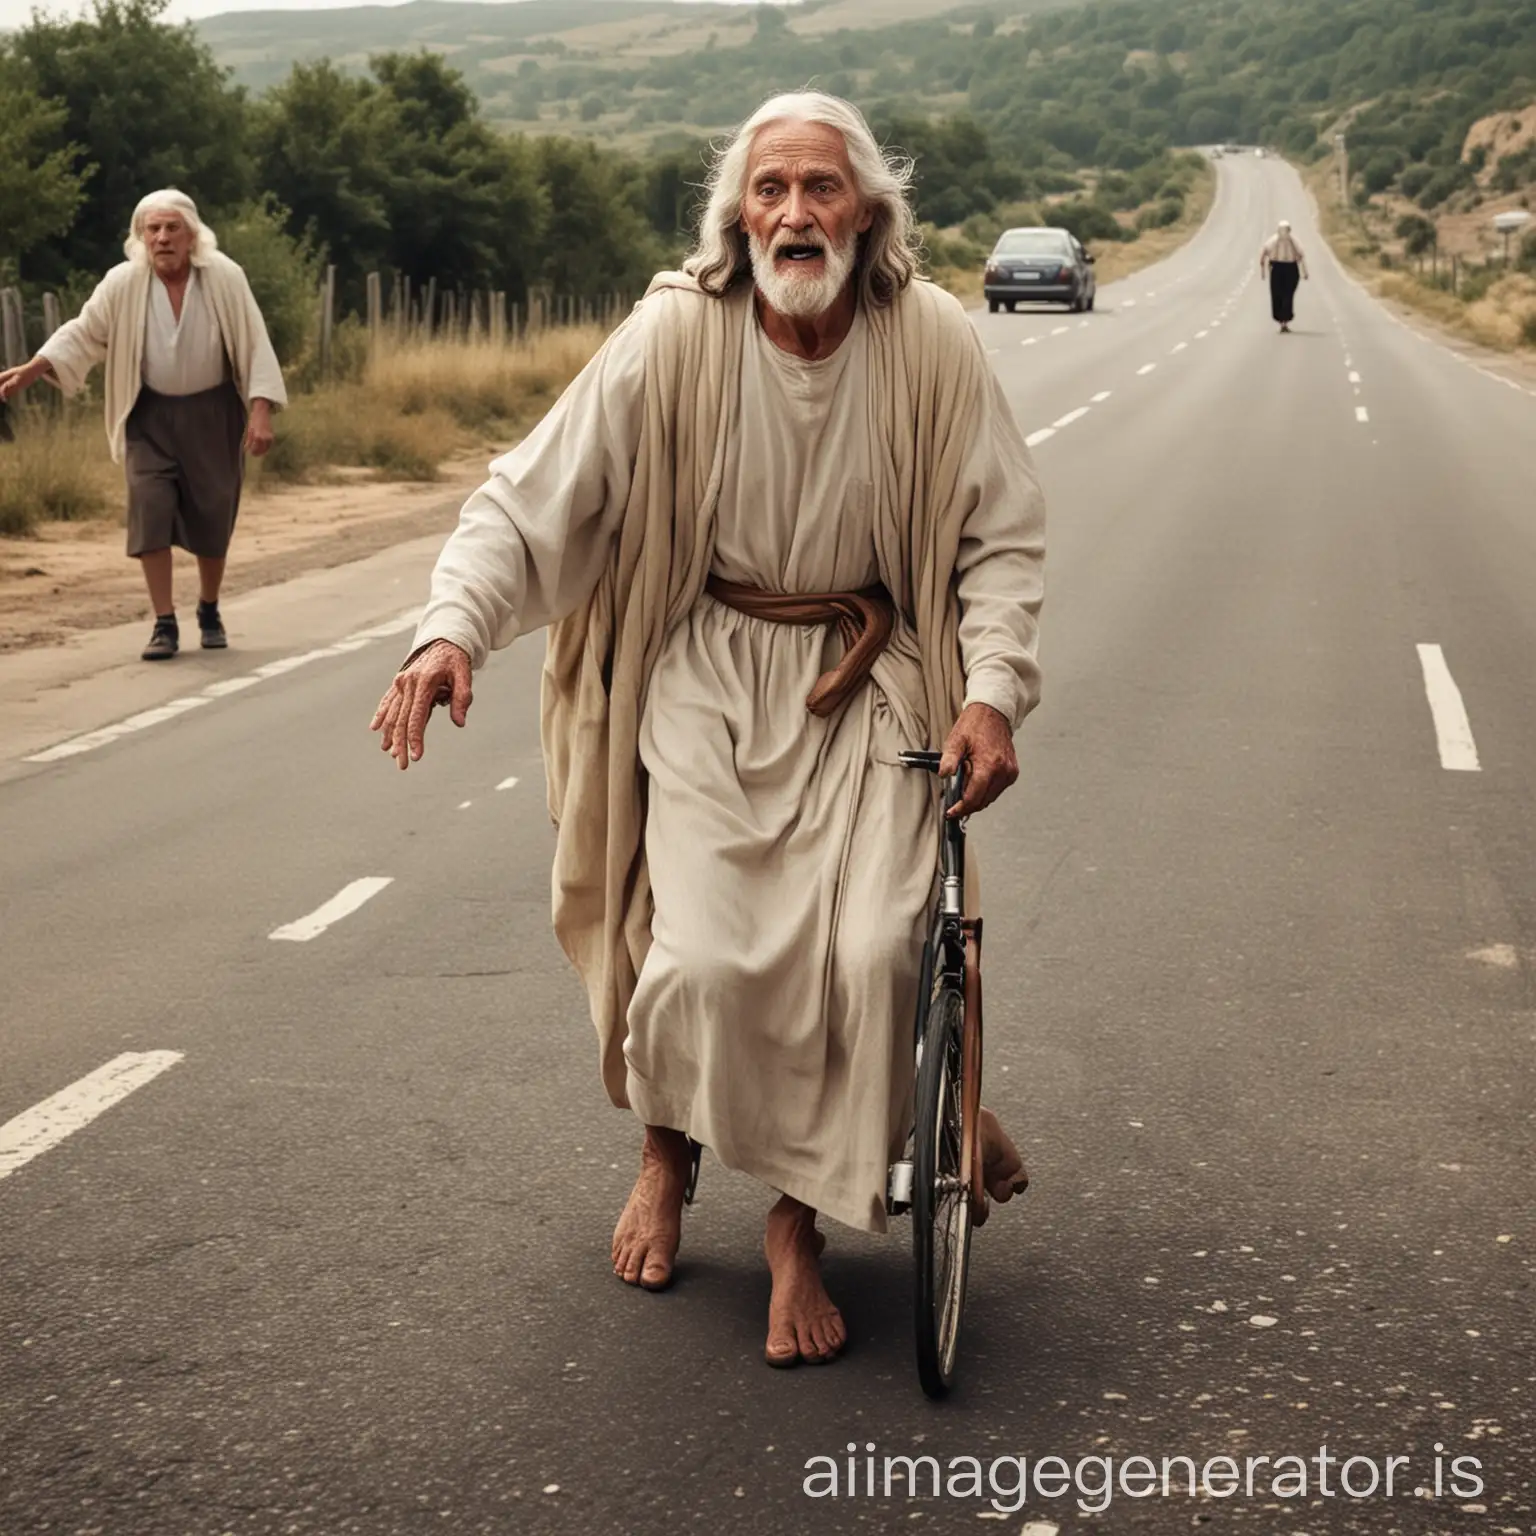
1259, 1003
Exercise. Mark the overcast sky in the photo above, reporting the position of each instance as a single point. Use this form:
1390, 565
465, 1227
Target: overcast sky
14, 13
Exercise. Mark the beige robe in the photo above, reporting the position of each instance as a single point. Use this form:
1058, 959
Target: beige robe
788, 860
111, 327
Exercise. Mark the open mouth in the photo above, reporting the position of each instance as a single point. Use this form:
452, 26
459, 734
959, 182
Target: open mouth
798, 253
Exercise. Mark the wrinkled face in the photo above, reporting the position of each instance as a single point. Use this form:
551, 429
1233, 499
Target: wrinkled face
803, 215
168, 240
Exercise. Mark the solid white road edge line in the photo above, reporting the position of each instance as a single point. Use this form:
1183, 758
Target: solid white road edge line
35, 1130
1453, 731
345, 902
163, 712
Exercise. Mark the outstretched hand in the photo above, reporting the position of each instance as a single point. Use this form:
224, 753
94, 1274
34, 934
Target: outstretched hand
981, 737
439, 675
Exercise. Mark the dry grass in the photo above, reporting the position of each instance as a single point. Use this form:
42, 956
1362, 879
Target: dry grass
58, 469
418, 403
1502, 318
1113, 261
413, 407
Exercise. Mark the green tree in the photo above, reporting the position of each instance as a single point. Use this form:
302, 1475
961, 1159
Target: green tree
598, 239
398, 174
143, 104
41, 186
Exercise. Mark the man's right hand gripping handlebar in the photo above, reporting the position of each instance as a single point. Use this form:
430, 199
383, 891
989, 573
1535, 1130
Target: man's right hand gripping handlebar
438, 674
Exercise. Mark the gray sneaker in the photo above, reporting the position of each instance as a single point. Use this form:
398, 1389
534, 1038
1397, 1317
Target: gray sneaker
164, 642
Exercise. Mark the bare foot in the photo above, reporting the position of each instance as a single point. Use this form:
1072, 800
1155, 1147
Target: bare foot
1002, 1169
802, 1322
646, 1238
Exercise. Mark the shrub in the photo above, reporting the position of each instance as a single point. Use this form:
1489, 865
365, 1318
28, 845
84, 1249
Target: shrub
284, 274
1417, 233
1414, 180
1160, 215
1441, 185
1088, 221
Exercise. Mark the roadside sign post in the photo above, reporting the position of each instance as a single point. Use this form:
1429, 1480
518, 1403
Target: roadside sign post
1508, 224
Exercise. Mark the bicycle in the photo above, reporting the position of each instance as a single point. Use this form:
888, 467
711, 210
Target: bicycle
939, 1181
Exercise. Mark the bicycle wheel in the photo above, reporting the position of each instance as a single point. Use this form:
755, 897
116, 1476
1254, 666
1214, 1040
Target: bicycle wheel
941, 1208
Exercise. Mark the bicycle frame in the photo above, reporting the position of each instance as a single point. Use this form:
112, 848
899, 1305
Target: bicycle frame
951, 957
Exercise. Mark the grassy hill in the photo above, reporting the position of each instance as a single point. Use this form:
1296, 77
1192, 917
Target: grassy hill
608, 68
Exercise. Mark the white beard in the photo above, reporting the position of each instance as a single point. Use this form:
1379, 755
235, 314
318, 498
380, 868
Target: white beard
799, 296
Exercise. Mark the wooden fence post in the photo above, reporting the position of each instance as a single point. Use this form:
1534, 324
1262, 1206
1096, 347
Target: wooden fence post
14, 333
50, 314
327, 319
429, 307
375, 308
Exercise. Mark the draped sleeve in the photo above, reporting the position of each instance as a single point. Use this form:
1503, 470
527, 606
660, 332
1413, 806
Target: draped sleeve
1000, 564
532, 542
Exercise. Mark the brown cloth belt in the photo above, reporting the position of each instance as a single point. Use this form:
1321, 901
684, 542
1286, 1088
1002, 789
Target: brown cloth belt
865, 620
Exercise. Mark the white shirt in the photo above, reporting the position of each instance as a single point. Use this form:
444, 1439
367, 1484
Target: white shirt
182, 358
1283, 248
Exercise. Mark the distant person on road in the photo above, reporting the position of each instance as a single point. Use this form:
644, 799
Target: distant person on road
1284, 263
191, 380
793, 429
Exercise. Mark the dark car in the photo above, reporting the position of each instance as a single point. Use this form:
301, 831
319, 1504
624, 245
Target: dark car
1039, 266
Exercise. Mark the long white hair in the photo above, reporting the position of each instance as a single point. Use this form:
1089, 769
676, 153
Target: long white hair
204, 242
888, 251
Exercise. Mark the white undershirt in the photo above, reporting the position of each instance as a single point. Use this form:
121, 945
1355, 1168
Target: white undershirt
182, 358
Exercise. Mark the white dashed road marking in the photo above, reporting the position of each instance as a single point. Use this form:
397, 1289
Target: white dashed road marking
1061, 330
1181, 346
1070, 417
345, 902
1201, 335
1361, 414
1453, 731
1102, 396
1354, 378
1036, 438
507, 784
1029, 341
1145, 369
163, 712
43, 1126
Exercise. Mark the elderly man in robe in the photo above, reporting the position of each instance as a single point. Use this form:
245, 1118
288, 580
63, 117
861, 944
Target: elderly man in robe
743, 868
186, 354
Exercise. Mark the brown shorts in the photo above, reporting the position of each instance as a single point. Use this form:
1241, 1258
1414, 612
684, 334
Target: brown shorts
184, 464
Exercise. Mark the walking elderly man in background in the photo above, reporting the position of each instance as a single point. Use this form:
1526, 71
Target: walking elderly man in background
186, 352
742, 868
1284, 264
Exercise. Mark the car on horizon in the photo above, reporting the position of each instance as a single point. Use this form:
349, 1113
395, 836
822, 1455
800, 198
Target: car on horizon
1039, 265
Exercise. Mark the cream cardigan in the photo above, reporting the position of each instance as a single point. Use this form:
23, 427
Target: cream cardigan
110, 329
929, 385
